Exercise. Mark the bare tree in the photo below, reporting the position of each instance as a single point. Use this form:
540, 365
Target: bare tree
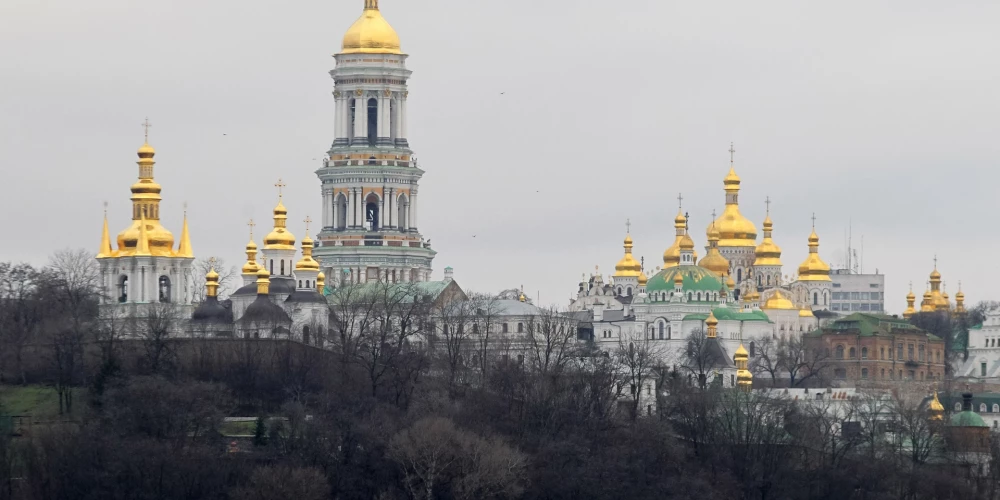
766, 359
920, 432
802, 361
513, 294
21, 314
354, 312
699, 359
156, 328
550, 341
229, 277
485, 310
457, 324
639, 356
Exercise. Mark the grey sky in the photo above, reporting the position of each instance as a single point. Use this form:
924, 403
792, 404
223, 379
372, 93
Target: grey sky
880, 112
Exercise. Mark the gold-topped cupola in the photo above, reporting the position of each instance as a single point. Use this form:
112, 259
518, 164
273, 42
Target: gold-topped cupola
735, 229
280, 238
813, 268
371, 34
307, 263
146, 206
628, 267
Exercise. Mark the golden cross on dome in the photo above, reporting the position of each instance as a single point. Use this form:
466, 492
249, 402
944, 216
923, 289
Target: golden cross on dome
713, 216
680, 200
628, 226
145, 126
308, 220
732, 153
767, 201
280, 185
251, 225
935, 261
211, 262
814, 220
911, 286
185, 209
105, 209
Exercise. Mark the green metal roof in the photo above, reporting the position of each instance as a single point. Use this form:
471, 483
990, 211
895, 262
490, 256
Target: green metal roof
727, 314
868, 325
696, 279
967, 419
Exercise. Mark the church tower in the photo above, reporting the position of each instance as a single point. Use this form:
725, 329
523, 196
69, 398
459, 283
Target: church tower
370, 178
738, 242
146, 268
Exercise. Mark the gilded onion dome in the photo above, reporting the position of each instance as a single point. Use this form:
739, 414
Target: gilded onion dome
935, 408
672, 255
714, 261
744, 379
778, 301
307, 263
371, 34
643, 279
146, 205
813, 268
628, 267
263, 281
735, 229
320, 282
280, 238
711, 325
960, 300
212, 283
938, 301
251, 267
768, 253
910, 300
927, 304
806, 313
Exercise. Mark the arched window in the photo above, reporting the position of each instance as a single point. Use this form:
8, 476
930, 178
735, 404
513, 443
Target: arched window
760, 280
768, 280
982, 407
881, 354
662, 329
958, 406
282, 267
372, 212
372, 121
864, 353
996, 408
341, 211
840, 352
853, 353
739, 275
123, 289
690, 296
883, 373
504, 329
300, 283
619, 290
164, 288
305, 335
825, 298
272, 267
815, 299
699, 296
628, 292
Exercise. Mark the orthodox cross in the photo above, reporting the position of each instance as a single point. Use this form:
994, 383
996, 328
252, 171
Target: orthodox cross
211, 262
642, 264
911, 286
280, 184
732, 153
145, 126
105, 210
767, 201
680, 201
308, 221
628, 225
251, 225
814, 220
687, 218
935, 261
185, 209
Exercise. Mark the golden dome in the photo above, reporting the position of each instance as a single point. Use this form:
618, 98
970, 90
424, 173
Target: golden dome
146, 151
371, 34
280, 238
935, 275
643, 279
211, 283
927, 304
813, 268
806, 313
935, 404
307, 263
735, 230
679, 280
628, 267
263, 281
146, 206
672, 255
714, 261
778, 301
251, 266
711, 320
741, 353
320, 282
768, 253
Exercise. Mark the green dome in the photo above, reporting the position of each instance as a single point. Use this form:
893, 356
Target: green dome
696, 279
967, 419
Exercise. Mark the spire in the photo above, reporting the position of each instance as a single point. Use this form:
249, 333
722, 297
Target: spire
910, 300
250, 268
142, 245
184, 248
522, 298
105, 250
959, 300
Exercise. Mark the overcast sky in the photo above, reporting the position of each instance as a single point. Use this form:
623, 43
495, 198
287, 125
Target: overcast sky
880, 113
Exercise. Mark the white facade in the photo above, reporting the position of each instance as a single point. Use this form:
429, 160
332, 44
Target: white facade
983, 350
853, 292
370, 180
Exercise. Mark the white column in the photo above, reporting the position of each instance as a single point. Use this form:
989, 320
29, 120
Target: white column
361, 208
333, 210
345, 115
402, 116
413, 210
391, 204
396, 120
324, 217
360, 117
381, 209
385, 118
338, 120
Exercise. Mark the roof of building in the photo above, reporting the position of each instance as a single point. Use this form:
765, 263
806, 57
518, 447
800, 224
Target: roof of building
728, 314
867, 325
695, 278
263, 310
716, 354
430, 290
306, 296
211, 310
280, 285
967, 419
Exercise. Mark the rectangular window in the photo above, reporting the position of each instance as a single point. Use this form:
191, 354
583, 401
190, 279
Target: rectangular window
854, 295
864, 307
877, 307
982, 369
836, 306
855, 307
921, 351
909, 350
899, 356
836, 285
873, 285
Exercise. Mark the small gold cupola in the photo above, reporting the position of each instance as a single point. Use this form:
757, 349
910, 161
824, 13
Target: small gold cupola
320, 282
744, 379
735, 229
212, 281
714, 261
960, 300
263, 281
768, 253
371, 34
280, 238
711, 325
307, 263
672, 255
910, 300
813, 268
251, 267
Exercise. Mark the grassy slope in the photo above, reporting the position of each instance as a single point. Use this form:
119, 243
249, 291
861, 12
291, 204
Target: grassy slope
36, 400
